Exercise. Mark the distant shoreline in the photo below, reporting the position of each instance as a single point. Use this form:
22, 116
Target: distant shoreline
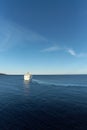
2, 74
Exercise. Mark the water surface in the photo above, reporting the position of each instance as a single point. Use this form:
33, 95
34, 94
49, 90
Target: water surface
47, 102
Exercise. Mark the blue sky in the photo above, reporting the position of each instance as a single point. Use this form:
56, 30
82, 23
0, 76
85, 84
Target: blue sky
43, 36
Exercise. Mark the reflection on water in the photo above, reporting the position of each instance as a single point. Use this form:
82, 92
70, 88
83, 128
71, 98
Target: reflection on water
26, 87
26, 83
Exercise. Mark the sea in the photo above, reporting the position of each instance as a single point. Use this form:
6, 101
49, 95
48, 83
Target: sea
47, 102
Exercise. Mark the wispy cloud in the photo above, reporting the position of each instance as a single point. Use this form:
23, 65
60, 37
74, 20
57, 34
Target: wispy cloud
12, 35
71, 52
51, 49
82, 55
4, 45
75, 54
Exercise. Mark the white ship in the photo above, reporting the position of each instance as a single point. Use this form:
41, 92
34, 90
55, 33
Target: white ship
27, 76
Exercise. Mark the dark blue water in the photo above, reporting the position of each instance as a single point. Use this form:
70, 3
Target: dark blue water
57, 102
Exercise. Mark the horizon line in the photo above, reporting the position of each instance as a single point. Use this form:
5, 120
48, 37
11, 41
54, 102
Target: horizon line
45, 74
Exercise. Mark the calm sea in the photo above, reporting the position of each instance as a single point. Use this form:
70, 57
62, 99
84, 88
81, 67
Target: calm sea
57, 102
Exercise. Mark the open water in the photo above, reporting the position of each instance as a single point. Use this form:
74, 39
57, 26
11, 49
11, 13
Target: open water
57, 102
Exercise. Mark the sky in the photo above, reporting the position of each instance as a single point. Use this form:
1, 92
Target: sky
43, 36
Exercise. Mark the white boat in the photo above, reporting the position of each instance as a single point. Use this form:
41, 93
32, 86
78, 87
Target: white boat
27, 76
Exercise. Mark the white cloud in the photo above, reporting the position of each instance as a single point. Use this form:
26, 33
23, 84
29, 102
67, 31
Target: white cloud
51, 49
